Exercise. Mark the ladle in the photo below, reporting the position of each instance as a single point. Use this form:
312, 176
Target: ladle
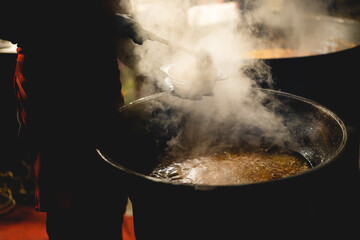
204, 59
183, 87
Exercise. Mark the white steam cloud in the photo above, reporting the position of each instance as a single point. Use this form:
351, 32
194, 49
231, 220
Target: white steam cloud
227, 41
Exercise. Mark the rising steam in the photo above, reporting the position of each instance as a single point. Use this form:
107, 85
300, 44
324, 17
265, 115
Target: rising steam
227, 42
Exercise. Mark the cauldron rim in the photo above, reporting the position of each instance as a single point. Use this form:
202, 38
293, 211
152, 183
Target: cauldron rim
328, 54
206, 187
341, 20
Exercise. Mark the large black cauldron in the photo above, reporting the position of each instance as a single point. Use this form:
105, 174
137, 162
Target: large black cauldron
329, 75
165, 210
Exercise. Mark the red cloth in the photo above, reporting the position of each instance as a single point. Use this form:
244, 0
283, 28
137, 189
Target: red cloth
19, 81
128, 228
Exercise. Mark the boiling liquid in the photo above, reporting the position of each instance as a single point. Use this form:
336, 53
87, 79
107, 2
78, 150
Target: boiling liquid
227, 168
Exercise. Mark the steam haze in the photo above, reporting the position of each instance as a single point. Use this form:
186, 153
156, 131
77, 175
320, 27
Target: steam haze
227, 42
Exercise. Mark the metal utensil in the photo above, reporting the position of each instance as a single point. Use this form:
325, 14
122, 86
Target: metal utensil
204, 59
182, 86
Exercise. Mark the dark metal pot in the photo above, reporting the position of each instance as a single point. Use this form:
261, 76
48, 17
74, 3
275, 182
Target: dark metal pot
167, 210
328, 77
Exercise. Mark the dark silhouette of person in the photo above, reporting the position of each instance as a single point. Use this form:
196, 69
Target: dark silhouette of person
68, 89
